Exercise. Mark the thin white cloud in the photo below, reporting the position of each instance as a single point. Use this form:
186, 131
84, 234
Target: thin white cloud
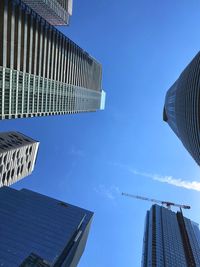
192, 185
108, 192
76, 152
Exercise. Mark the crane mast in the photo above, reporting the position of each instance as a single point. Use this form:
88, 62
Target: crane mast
168, 204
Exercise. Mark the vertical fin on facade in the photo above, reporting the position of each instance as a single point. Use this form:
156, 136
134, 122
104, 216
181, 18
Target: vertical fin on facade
1, 31
186, 242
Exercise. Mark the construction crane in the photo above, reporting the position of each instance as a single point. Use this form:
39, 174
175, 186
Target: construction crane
164, 203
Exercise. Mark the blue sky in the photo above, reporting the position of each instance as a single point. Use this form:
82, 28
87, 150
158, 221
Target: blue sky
88, 159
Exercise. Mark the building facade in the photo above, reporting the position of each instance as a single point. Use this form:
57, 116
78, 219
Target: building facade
55, 234
42, 72
34, 260
17, 157
182, 108
56, 12
170, 239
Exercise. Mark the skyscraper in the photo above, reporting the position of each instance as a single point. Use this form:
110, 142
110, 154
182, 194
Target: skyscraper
56, 12
42, 72
17, 157
37, 229
182, 108
170, 239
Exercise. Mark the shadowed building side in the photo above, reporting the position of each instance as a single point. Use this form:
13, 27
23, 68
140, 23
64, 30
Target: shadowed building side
55, 234
182, 108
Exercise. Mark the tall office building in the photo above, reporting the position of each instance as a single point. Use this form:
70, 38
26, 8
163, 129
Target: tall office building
18, 154
182, 108
42, 72
56, 12
170, 239
40, 231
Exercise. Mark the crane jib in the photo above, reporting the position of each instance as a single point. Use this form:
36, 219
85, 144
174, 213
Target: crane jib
167, 203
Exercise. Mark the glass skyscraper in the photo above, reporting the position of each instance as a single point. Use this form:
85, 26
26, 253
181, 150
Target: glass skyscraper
42, 72
37, 230
182, 108
170, 239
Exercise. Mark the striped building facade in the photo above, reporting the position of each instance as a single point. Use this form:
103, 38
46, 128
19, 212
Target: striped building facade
42, 72
182, 108
56, 12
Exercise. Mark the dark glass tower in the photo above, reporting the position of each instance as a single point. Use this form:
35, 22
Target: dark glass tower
182, 108
170, 239
37, 230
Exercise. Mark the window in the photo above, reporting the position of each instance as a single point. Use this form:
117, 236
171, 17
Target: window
18, 170
22, 167
4, 178
8, 176
13, 156
5, 159
8, 165
29, 165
